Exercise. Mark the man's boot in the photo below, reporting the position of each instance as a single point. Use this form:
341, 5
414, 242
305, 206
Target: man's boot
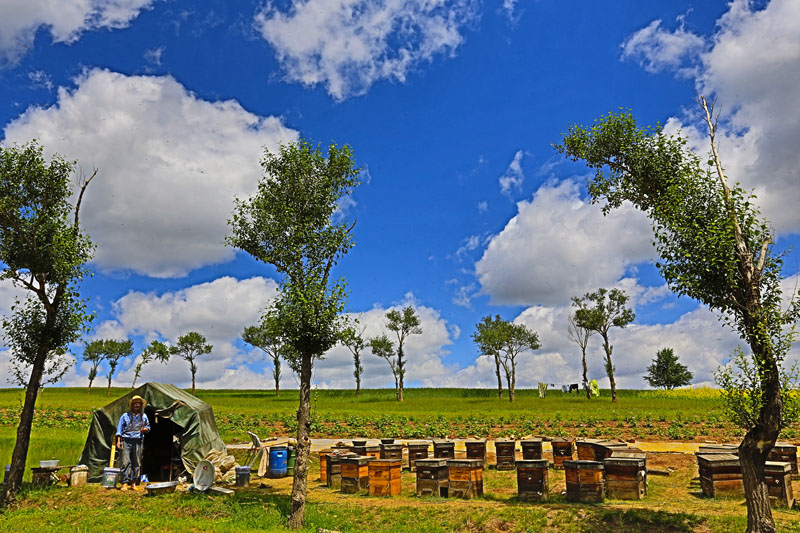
124, 486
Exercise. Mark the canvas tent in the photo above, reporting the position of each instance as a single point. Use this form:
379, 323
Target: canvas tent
172, 413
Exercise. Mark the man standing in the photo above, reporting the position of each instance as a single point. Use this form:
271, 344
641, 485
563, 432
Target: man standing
131, 430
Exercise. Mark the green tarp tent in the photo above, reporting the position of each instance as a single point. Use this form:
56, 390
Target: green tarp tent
176, 418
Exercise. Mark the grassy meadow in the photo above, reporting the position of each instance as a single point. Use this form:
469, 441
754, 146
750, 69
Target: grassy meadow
63, 415
674, 503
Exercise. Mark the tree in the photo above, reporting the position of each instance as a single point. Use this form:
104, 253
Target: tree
383, 347
189, 347
354, 340
43, 250
402, 323
265, 339
666, 372
580, 336
599, 311
155, 351
290, 223
94, 354
115, 350
715, 247
489, 346
506, 341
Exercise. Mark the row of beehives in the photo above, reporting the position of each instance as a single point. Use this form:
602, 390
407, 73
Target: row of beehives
602, 466
721, 472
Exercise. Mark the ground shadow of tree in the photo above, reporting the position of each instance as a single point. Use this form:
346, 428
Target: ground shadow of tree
637, 520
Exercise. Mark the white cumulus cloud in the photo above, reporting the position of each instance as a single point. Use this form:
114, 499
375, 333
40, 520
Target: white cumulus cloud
65, 20
657, 49
169, 166
751, 66
348, 45
559, 246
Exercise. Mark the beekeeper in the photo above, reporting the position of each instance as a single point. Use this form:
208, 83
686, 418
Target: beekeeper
131, 429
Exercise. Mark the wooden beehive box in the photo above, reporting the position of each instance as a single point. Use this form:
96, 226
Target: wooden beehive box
504, 450
625, 478
562, 451
391, 451
476, 449
710, 449
605, 448
416, 450
531, 449
384, 477
355, 473
778, 476
784, 452
465, 478
323, 464
533, 483
432, 477
444, 449
334, 470
585, 449
368, 451
720, 475
584, 481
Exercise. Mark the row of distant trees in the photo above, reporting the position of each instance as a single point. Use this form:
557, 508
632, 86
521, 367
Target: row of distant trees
188, 347
504, 341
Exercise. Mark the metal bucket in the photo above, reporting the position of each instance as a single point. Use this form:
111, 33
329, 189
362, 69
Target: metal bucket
110, 477
242, 476
277, 461
78, 475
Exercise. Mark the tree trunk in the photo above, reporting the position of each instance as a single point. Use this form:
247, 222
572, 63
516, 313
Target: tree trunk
510, 388
499, 379
400, 390
276, 374
358, 385
89, 391
108, 389
20, 453
396, 388
759, 441
610, 368
586, 375
513, 386
192, 383
299, 482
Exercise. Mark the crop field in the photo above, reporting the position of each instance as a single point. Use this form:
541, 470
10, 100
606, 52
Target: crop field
674, 503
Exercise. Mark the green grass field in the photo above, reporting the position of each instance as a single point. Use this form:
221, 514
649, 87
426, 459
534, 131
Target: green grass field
674, 504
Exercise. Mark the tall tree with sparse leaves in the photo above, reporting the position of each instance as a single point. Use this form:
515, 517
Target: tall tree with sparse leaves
353, 339
189, 347
294, 223
265, 338
507, 341
93, 354
580, 336
600, 311
667, 372
44, 251
402, 323
114, 351
155, 351
715, 247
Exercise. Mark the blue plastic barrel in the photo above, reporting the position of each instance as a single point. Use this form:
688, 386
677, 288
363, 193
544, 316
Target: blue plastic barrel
277, 461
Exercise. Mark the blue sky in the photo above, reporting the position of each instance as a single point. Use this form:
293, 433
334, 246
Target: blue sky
451, 108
